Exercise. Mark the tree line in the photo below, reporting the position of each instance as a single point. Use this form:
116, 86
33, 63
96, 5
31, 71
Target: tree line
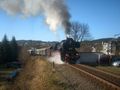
8, 50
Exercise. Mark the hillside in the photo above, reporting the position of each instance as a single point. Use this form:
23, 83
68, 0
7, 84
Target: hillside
35, 44
106, 39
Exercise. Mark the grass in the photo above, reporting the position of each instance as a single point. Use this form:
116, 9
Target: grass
37, 75
3, 74
110, 69
5, 71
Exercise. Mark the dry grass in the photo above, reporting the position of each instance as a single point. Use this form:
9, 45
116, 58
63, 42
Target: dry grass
37, 75
4, 72
4, 85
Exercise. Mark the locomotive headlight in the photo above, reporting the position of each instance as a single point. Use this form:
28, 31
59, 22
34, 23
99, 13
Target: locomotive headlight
114, 64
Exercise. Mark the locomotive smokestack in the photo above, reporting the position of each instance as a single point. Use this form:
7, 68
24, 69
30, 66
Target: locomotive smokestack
55, 12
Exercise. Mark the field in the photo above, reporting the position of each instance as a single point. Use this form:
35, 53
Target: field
38, 74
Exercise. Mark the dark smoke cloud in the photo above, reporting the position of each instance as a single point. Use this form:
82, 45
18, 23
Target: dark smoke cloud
55, 11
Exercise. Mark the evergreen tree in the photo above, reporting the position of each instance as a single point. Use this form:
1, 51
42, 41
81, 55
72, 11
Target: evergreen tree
6, 50
14, 49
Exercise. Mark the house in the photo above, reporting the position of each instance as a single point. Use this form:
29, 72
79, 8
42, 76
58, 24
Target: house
108, 46
111, 48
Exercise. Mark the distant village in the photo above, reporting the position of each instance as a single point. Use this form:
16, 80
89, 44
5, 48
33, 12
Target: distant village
108, 46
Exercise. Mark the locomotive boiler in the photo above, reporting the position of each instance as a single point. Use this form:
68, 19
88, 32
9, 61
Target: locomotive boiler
68, 51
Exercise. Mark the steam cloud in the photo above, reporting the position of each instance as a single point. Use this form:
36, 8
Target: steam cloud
55, 11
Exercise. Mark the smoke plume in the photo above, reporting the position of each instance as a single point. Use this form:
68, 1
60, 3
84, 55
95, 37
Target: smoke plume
55, 11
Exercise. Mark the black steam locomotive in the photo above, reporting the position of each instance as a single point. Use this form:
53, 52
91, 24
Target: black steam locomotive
68, 51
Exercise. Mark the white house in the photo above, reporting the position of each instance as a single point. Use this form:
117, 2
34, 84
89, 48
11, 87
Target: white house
109, 48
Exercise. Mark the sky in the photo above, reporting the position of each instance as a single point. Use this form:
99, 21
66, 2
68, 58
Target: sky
102, 16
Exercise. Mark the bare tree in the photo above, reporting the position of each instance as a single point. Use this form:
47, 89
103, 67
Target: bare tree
79, 31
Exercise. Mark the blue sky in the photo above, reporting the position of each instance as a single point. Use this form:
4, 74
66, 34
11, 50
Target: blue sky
102, 16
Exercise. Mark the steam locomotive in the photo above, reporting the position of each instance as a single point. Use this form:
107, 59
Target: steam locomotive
68, 51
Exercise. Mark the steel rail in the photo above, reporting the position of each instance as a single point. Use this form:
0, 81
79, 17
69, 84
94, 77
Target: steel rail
104, 79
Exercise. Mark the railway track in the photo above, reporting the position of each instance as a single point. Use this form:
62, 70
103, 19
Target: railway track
110, 82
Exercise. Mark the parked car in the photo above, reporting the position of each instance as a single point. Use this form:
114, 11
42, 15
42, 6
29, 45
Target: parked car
13, 75
116, 63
